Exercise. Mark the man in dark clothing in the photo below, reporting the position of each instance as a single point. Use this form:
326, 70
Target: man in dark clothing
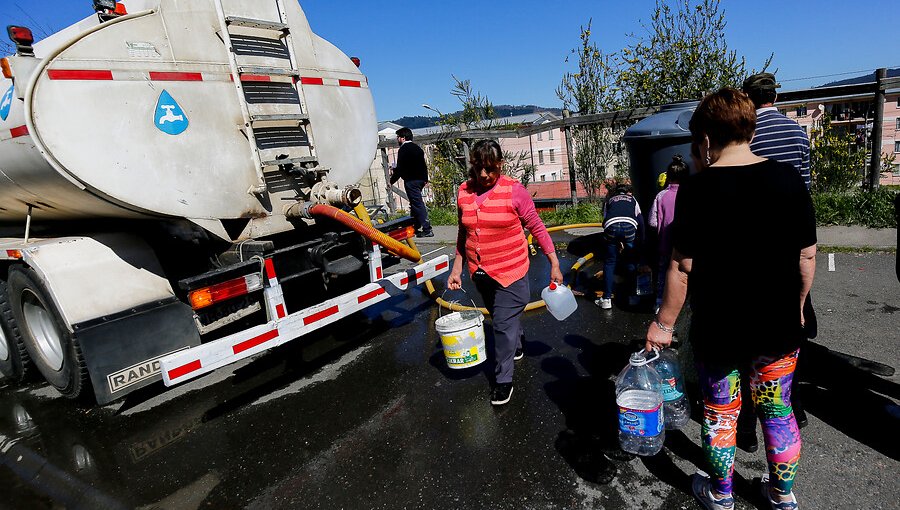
411, 167
780, 139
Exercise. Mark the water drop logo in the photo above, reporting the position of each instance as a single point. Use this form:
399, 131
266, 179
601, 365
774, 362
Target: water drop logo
170, 118
6, 103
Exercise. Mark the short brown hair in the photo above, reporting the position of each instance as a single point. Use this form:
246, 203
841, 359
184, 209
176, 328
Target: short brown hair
726, 116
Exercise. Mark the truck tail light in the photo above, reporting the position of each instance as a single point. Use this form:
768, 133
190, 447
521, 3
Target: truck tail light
403, 233
20, 35
207, 296
104, 5
23, 38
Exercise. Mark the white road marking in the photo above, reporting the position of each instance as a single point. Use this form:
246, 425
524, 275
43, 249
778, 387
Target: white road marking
432, 251
831, 262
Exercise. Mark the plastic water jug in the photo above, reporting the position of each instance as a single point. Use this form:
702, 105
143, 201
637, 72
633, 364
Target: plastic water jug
560, 300
676, 407
641, 415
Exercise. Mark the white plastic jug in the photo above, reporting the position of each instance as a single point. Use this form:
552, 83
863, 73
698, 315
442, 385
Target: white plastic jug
560, 300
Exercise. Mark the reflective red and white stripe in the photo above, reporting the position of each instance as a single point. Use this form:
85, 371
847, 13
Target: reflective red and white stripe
273, 294
16, 132
183, 76
375, 264
188, 364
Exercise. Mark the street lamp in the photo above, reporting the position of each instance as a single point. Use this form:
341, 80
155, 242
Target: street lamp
435, 110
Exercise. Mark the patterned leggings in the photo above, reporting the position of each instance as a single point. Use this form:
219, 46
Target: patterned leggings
770, 385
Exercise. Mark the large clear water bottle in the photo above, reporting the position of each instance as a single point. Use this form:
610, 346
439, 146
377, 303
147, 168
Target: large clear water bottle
676, 407
641, 415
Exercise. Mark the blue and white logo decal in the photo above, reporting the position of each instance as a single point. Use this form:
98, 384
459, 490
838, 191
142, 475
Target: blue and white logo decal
6, 103
170, 118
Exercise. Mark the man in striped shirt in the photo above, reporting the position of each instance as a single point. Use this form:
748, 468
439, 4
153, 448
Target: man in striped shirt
777, 137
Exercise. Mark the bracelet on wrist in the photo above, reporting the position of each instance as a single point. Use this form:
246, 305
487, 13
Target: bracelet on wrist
664, 328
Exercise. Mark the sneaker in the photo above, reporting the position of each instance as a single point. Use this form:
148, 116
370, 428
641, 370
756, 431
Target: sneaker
700, 485
765, 488
604, 303
519, 354
501, 393
429, 233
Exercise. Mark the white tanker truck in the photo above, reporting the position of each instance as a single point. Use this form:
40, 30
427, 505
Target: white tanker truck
173, 179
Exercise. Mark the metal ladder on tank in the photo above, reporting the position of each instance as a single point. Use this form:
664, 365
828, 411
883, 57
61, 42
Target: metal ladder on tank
281, 33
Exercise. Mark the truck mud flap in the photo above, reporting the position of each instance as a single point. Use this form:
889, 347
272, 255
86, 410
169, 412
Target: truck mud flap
123, 352
188, 364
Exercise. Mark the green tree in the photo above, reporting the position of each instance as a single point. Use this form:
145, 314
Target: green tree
449, 165
592, 89
681, 56
836, 163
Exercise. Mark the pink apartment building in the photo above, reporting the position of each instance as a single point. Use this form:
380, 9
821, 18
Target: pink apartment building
851, 108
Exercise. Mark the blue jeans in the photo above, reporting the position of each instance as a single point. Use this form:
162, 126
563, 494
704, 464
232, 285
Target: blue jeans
416, 205
618, 233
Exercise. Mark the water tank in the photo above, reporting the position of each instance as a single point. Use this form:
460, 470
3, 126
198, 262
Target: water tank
141, 116
652, 143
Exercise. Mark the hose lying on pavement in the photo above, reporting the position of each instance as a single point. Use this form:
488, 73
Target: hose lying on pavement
534, 305
365, 221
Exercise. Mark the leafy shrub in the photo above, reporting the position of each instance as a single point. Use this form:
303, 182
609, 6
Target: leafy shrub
873, 209
442, 215
584, 212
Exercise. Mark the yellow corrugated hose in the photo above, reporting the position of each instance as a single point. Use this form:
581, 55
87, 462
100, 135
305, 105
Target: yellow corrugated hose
534, 305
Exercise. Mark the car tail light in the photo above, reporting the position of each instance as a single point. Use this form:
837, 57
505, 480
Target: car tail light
14, 254
207, 296
121, 10
403, 233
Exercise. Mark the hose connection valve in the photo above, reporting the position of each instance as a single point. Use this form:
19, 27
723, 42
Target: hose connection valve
328, 193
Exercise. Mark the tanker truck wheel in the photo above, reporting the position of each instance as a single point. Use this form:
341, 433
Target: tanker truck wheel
15, 365
55, 352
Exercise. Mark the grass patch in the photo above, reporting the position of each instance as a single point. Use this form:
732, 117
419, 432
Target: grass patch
873, 209
853, 249
585, 212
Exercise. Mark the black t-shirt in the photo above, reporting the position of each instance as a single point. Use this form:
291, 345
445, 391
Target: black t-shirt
744, 227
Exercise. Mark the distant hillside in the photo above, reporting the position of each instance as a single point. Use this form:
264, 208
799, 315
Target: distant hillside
868, 78
504, 110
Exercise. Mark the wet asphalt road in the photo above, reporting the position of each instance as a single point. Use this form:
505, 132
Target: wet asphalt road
367, 415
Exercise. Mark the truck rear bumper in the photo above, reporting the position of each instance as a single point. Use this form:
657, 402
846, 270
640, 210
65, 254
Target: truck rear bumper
187, 364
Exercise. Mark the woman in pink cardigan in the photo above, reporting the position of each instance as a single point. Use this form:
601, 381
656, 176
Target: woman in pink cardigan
491, 242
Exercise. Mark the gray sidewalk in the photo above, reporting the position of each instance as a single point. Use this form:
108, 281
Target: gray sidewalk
841, 237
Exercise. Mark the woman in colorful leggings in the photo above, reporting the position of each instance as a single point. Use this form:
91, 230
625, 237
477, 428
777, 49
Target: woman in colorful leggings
751, 265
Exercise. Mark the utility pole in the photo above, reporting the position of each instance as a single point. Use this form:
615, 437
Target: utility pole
386, 164
567, 130
877, 127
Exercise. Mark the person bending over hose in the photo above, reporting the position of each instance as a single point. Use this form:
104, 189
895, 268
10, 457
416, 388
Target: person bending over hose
492, 209
751, 267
